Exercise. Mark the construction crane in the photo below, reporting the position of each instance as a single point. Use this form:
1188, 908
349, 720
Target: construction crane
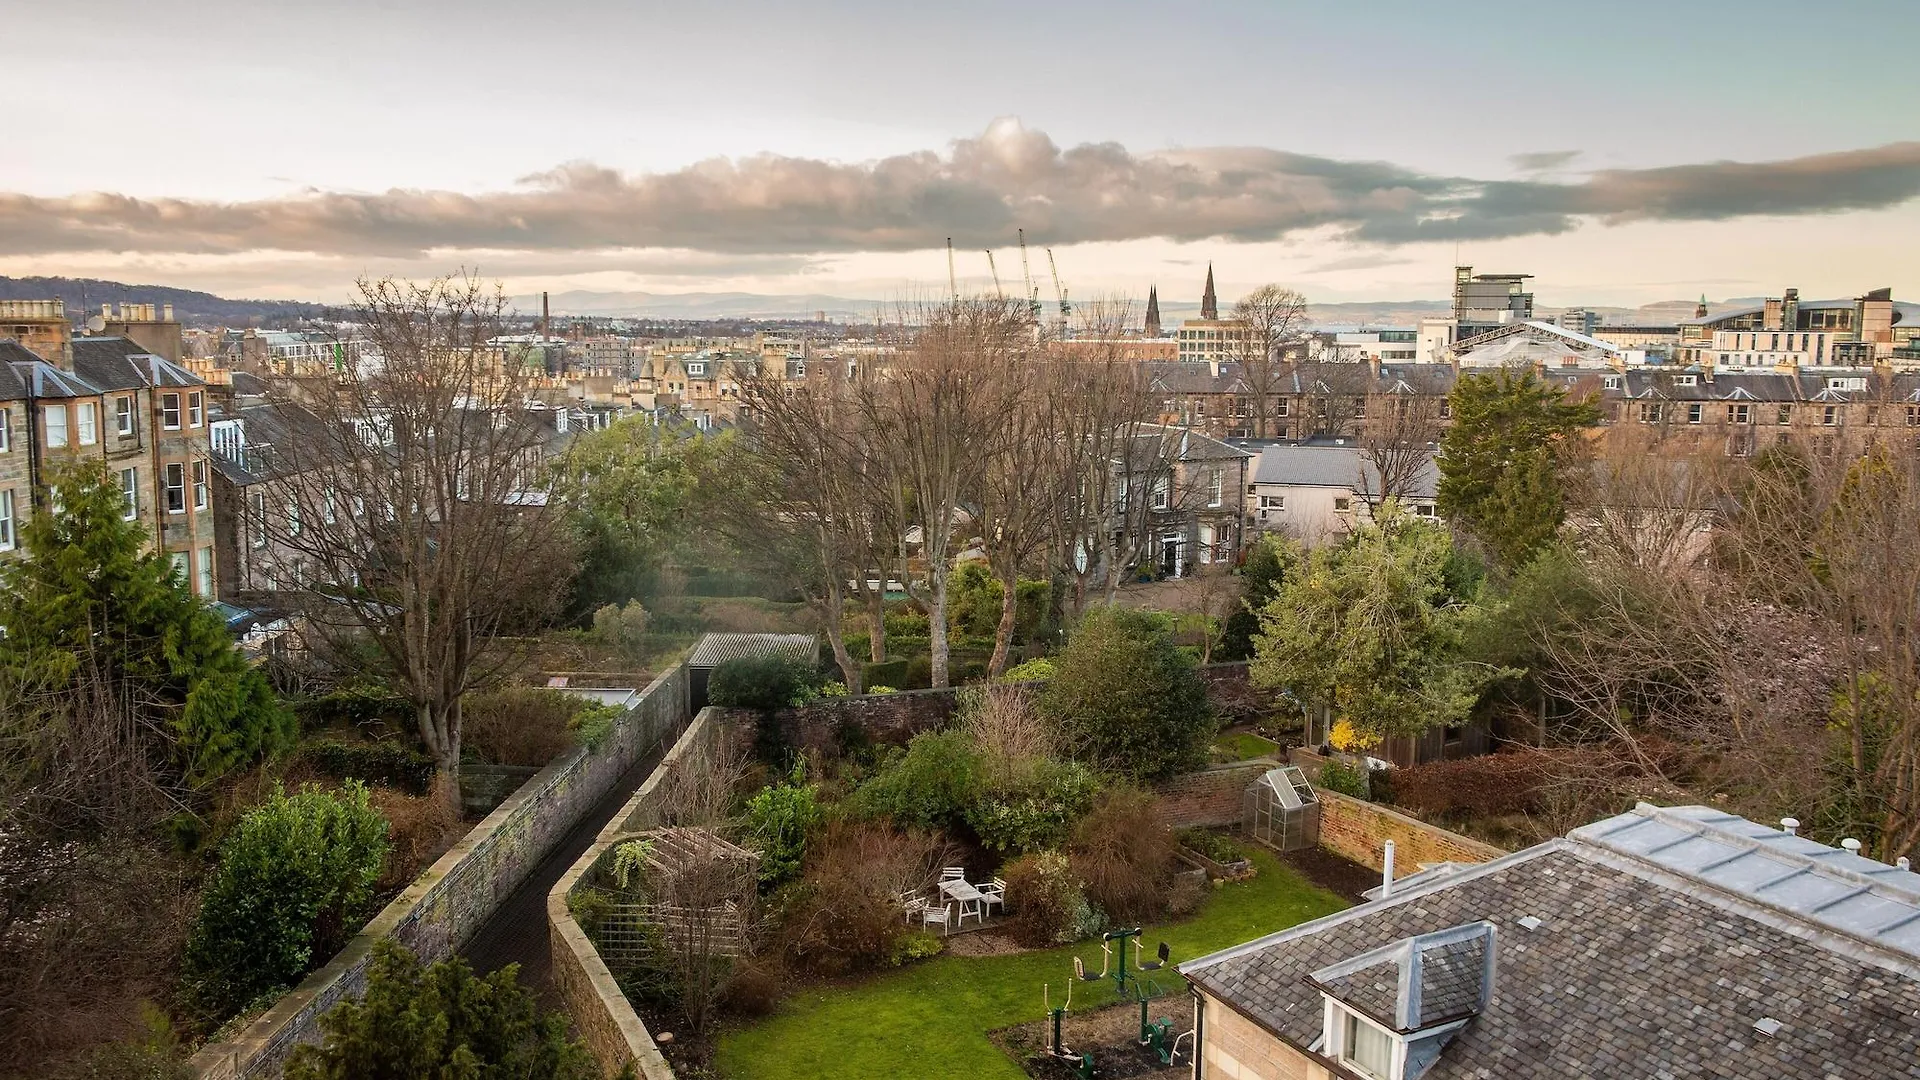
995, 271
1059, 295
1033, 295
953, 284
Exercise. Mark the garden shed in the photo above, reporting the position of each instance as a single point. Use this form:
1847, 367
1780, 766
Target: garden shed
1281, 810
716, 649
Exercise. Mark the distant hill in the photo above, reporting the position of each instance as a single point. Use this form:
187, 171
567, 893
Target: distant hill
698, 305
85, 295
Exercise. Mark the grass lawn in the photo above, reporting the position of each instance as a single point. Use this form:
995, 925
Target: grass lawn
1243, 745
930, 1020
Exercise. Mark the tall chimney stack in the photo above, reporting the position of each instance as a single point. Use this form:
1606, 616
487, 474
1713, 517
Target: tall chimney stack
544, 315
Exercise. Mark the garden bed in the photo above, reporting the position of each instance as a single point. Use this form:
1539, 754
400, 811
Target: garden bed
1338, 875
1111, 1035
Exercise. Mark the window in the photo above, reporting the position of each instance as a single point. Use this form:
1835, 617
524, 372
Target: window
181, 567
130, 492
293, 519
1693, 413
170, 411
1342, 505
359, 507
1162, 493
327, 511
200, 485
1216, 491
1785, 415
1366, 1048
1913, 416
1686, 380
123, 414
1739, 414
6, 432
1425, 510
176, 488
196, 409
6, 521
1280, 409
1873, 415
1273, 502
203, 584
87, 420
257, 512
56, 426
1830, 416
1446, 408
1649, 412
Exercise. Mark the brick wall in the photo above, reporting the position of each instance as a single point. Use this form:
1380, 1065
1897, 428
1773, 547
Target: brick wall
1358, 830
1211, 796
464, 887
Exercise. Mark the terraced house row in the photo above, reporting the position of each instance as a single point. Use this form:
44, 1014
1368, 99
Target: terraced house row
113, 399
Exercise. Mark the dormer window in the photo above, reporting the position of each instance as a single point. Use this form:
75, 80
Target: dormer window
1388, 1013
1365, 1047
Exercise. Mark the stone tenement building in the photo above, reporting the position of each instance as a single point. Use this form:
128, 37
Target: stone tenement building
119, 401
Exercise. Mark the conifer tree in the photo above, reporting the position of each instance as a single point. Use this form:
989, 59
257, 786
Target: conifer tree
1503, 463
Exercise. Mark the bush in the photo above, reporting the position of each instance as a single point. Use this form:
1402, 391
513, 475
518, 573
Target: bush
1037, 813
907, 623
441, 1021
914, 945
1124, 853
778, 821
844, 913
886, 673
292, 885
1038, 669
383, 764
1343, 778
1485, 786
519, 725
1045, 905
419, 829
765, 683
354, 705
930, 785
591, 725
623, 629
1124, 695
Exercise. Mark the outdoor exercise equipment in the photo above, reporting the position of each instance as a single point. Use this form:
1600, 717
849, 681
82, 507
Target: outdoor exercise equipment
1082, 1063
1150, 965
1156, 1035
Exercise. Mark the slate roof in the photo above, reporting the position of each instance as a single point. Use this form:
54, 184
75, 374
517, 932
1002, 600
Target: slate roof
1613, 962
118, 363
1333, 466
12, 387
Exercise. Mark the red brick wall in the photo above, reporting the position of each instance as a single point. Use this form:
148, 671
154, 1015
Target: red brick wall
1358, 829
1210, 796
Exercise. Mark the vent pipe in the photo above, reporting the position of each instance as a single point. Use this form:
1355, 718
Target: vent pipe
1791, 825
1852, 845
1903, 863
1386, 873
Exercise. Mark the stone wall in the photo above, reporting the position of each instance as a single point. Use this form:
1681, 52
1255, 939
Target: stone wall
1358, 830
884, 718
1210, 797
601, 1014
448, 902
1233, 1046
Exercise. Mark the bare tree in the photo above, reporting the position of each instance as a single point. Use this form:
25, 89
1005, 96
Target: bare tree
1276, 328
1332, 390
1402, 433
417, 500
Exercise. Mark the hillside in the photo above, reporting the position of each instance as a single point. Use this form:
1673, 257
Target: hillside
85, 295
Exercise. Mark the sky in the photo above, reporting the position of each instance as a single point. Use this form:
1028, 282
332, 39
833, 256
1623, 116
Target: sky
1623, 153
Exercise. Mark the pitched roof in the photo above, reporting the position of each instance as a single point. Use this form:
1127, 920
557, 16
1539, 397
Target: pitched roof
1650, 944
12, 387
118, 363
1333, 466
716, 649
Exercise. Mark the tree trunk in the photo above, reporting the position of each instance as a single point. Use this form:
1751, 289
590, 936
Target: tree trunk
440, 732
850, 671
877, 619
1003, 635
937, 627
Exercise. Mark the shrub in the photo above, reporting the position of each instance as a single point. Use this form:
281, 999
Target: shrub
760, 682
384, 764
419, 829
623, 629
844, 913
291, 887
778, 821
354, 705
441, 1021
884, 673
591, 725
519, 725
1483, 786
1343, 778
1038, 669
1036, 813
906, 622
1125, 696
930, 785
1045, 905
1124, 853
1216, 846
914, 945
755, 987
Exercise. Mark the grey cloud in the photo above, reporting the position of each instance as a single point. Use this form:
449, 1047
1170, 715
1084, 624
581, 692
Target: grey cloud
977, 192
1542, 160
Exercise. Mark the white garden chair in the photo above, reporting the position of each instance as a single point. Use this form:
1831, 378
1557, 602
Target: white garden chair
994, 895
943, 915
913, 903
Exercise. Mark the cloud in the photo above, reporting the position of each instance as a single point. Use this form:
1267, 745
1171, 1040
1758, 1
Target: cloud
1542, 160
1367, 261
977, 192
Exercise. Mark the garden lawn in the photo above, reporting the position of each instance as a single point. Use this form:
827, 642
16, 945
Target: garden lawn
1243, 745
931, 1020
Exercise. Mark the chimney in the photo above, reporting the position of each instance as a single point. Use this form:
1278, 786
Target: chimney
1790, 310
166, 312
1386, 872
545, 315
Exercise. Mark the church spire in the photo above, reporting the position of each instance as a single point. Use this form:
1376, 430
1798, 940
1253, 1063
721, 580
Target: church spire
1209, 303
1153, 311
1700, 311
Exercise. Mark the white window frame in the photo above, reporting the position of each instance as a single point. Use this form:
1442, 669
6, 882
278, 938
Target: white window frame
200, 498
86, 423
169, 472
1216, 489
1273, 502
7, 536
328, 511
1162, 494
59, 410
1343, 504
203, 571
170, 412
181, 563
130, 492
293, 519
6, 429
1340, 1022
257, 514
196, 409
123, 414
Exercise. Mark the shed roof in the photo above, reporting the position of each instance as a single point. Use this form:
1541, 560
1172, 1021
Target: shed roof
716, 649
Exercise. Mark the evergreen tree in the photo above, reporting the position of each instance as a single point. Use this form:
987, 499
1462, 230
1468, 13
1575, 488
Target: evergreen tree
1504, 461
1126, 698
88, 603
1260, 577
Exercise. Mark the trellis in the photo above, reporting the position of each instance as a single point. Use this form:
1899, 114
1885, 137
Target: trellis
633, 932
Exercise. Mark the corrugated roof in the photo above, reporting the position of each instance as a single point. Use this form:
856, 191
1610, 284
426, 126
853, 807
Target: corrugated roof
716, 649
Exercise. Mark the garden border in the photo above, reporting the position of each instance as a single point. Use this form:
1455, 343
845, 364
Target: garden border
456, 895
